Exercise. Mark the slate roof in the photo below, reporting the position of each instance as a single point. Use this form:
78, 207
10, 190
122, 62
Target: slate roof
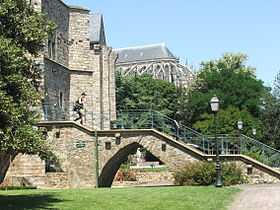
143, 53
96, 29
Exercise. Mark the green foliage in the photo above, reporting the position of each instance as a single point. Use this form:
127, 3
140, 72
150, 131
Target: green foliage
22, 35
232, 81
144, 92
267, 157
271, 116
125, 173
197, 173
204, 173
227, 122
232, 174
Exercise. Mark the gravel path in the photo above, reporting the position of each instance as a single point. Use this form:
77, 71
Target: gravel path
257, 197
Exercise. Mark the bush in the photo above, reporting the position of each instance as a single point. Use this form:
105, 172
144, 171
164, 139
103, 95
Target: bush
125, 174
204, 173
232, 174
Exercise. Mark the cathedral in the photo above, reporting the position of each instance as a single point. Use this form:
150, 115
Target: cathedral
156, 60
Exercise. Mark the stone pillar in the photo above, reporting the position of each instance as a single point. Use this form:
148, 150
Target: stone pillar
104, 95
79, 39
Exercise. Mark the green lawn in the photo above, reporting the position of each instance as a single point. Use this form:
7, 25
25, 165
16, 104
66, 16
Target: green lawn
140, 198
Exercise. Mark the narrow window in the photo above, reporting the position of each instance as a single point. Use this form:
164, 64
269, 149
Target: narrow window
61, 100
53, 50
163, 147
57, 134
249, 169
107, 145
49, 48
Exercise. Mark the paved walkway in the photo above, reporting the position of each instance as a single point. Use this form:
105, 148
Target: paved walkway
257, 197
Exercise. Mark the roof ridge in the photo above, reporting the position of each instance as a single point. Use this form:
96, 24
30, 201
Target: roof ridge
162, 44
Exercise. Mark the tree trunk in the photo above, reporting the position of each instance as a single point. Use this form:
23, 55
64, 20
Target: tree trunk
5, 161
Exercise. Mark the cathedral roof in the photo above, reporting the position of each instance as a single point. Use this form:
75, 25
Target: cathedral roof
96, 29
143, 53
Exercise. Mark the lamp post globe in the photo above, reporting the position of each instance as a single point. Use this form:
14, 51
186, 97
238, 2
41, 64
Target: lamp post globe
240, 127
214, 103
254, 131
240, 124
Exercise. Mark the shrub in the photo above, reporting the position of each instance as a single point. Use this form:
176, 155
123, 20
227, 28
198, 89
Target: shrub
232, 174
125, 174
204, 173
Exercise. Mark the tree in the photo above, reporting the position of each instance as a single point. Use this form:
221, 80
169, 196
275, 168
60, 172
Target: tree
271, 116
22, 35
232, 81
227, 122
144, 92
276, 88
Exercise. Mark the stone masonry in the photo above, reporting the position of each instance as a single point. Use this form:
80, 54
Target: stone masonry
73, 62
77, 156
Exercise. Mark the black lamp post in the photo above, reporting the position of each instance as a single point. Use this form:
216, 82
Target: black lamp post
215, 108
240, 127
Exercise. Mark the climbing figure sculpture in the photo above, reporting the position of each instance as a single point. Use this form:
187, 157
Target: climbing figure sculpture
79, 108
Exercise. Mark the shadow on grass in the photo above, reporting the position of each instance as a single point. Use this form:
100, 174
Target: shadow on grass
32, 201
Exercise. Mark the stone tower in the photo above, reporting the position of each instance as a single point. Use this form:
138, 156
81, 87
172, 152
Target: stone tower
76, 60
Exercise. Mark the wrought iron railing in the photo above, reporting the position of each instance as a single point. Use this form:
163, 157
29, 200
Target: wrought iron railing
228, 144
149, 119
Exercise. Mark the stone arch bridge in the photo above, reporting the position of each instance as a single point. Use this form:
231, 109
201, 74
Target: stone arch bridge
87, 158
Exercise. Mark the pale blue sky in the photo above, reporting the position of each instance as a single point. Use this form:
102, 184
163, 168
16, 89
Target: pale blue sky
197, 29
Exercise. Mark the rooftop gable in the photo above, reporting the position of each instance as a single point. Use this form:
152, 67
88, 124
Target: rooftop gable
144, 52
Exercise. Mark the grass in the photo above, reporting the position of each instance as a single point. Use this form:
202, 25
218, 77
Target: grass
148, 198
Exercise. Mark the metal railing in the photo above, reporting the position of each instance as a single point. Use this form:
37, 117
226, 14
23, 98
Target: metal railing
228, 144
149, 119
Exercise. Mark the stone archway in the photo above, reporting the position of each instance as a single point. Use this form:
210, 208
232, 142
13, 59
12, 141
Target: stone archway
110, 169
172, 154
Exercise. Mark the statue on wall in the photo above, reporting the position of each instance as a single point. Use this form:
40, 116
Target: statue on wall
138, 157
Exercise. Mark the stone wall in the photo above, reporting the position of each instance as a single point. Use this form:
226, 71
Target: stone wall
56, 88
27, 166
77, 164
104, 94
173, 156
57, 180
148, 178
82, 81
72, 66
256, 176
58, 12
75, 149
79, 36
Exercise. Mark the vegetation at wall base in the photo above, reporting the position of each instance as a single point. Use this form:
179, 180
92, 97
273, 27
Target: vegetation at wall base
204, 174
125, 173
